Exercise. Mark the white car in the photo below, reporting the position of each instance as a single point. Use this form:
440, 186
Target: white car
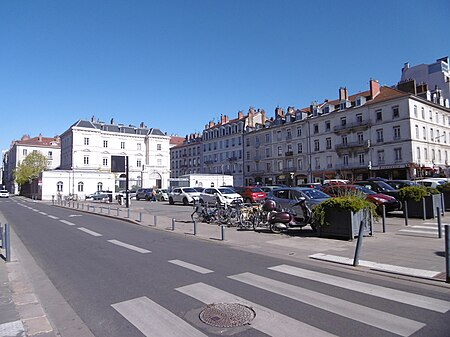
431, 182
4, 194
223, 195
185, 195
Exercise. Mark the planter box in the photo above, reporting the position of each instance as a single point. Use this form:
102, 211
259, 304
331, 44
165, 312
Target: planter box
446, 196
416, 209
345, 224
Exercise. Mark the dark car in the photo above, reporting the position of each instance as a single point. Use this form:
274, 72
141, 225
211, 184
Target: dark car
289, 196
379, 186
144, 193
398, 184
100, 196
390, 203
251, 194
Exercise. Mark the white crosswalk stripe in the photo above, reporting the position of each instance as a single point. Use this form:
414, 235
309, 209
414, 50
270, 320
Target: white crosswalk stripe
191, 266
367, 288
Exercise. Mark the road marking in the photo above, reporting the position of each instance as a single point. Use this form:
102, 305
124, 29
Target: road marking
191, 266
126, 245
431, 231
67, 222
53, 217
15, 328
377, 266
88, 231
34, 210
367, 288
43, 213
267, 321
154, 320
376, 318
74, 215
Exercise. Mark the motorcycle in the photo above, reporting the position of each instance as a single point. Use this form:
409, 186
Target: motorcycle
270, 217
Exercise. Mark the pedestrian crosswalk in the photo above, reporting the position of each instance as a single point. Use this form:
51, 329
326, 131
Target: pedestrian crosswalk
152, 319
424, 229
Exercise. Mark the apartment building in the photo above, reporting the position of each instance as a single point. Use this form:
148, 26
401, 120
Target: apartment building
383, 132
50, 147
186, 157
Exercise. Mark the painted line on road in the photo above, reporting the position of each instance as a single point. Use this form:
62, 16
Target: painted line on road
377, 266
53, 217
373, 317
267, 321
88, 231
418, 231
191, 266
154, 320
15, 328
43, 213
367, 288
126, 245
34, 210
67, 222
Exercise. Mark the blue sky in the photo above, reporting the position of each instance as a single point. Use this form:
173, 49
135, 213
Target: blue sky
175, 65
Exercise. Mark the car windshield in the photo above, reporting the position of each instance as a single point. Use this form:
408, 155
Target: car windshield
256, 189
385, 186
364, 190
313, 193
163, 191
189, 190
226, 191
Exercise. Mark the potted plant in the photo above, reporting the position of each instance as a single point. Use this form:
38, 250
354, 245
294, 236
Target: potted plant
342, 216
422, 201
445, 190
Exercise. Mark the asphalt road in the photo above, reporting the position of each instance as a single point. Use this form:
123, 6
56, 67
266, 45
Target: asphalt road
127, 280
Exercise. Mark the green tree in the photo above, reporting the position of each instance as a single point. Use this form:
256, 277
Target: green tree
30, 168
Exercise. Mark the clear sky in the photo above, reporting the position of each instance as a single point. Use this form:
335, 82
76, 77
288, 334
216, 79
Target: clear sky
176, 65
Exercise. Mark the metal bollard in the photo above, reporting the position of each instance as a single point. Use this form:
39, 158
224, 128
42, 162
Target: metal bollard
424, 207
154, 220
101, 209
53, 199
173, 224
439, 222
140, 217
93, 209
118, 211
7, 244
442, 204
447, 254
405, 212
222, 232
128, 216
109, 210
383, 219
358, 244
82, 207
195, 228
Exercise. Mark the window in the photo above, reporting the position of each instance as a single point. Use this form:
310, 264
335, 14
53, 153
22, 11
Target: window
267, 152
279, 135
159, 162
380, 156
138, 146
24, 152
418, 153
395, 112
396, 132
288, 134
289, 148
398, 154
122, 145
344, 140
299, 132
50, 155
425, 154
138, 163
343, 121
316, 128
299, 148
437, 118
280, 166
99, 186
417, 132
316, 145
280, 150
80, 186
345, 159
329, 162
415, 111
438, 137
328, 143
423, 113
267, 137
378, 115
424, 132
105, 143
430, 113
317, 163
433, 155
59, 186
360, 138
105, 161
359, 118
268, 167
361, 158
300, 164
431, 134
86, 141
86, 160
327, 125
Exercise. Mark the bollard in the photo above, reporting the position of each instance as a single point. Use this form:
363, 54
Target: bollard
222, 232
101, 209
154, 220
53, 200
383, 219
439, 222
128, 216
358, 244
117, 211
447, 254
78, 205
109, 210
93, 209
140, 217
82, 207
7, 244
424, 207
405, 212
173, 224
195, 228
442, 204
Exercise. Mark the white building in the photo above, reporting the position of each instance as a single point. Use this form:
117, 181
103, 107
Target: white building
50, 147
186, 157
87, 147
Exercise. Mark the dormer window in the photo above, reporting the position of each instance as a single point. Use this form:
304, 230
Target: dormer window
326, 109
316, 112
360, 101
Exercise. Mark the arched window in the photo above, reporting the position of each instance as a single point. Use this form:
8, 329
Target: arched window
100, 186
80, 186
59, 186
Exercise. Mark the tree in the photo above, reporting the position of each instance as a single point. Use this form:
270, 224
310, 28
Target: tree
30, 168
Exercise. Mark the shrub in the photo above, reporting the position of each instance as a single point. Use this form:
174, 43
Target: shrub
445, 187
415, 193
353, 203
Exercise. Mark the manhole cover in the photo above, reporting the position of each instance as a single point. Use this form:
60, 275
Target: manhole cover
227, 315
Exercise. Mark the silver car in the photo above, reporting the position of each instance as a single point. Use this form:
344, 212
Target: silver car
287, 197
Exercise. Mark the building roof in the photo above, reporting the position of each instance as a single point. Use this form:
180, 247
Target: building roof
39, 141
118, 128
176, 141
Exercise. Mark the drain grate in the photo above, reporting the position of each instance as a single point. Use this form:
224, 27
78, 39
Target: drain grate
227, 315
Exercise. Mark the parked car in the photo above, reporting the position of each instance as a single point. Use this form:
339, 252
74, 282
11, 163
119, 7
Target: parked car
4, 194
379, 186
144, 193
431, 182
251, 194
185, 195
162, 194
198, 189
288, 196
390, 203
122, 193
269, 188
100, 196
223, 195
311, 185
398, 184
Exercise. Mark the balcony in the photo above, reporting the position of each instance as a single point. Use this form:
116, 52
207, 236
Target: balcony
357, 126
233, 158
352, 146
289, 153
350, 166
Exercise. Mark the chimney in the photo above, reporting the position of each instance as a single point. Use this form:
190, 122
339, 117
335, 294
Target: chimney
279, 112
374, 88
211, 124
40, 137
263, 116
343, 94
408, 86
251, 115
240, 115
226, 118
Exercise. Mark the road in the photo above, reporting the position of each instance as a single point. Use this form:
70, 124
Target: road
126, 280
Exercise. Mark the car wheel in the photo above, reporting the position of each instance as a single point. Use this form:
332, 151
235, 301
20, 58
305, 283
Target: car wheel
248, 200
185, 202
171, 201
